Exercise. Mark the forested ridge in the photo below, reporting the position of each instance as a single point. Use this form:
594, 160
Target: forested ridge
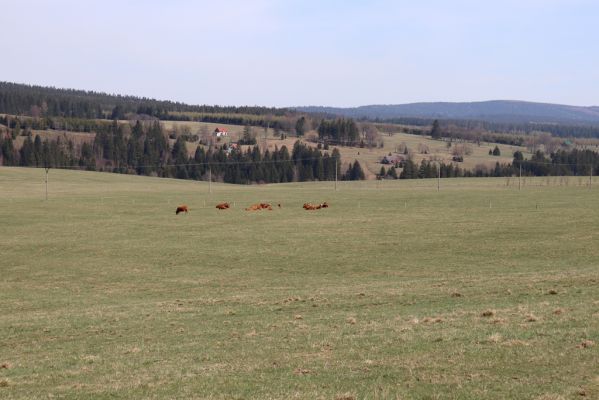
36, 101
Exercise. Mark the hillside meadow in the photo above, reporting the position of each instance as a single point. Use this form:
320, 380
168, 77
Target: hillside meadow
397, 291
421, 147
370, 158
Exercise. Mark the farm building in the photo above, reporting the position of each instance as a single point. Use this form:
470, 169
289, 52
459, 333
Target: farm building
394, 159
220, 132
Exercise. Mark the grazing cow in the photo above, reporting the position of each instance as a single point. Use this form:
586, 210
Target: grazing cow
182, 208
223, 206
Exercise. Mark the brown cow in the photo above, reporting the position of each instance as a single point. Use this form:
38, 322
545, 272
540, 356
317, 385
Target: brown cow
254, 207
259, 206
223, 206
182, 208
310, 206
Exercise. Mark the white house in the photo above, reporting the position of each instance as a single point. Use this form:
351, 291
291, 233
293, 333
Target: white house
220, 132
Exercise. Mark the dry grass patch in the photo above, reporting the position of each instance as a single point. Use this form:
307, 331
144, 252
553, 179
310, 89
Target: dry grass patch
302, 371
495, 338
531, 318
345, 397
516, 342
586, 344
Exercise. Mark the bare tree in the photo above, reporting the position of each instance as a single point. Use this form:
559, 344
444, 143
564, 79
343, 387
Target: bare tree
204, 134
371, 135
401, 148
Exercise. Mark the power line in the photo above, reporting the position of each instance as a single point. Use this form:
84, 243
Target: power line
520, 162
206, 163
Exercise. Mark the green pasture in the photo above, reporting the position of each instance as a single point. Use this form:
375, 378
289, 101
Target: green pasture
397, 291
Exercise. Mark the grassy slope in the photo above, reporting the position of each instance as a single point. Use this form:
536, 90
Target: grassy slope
370, 158
105, 293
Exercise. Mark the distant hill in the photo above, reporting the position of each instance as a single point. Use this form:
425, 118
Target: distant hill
493, 111
22, 99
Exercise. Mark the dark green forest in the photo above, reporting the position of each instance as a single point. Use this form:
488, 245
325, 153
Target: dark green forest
36, 101
146, 151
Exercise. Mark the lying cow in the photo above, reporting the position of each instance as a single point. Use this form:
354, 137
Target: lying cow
265, 206
310, 206
259, 206
182, 208
223, 206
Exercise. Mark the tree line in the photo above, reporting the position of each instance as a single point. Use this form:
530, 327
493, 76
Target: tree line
561, 163
143, 149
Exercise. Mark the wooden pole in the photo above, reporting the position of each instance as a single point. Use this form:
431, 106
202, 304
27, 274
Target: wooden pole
47, 169
210, 179
335, 173
520, 178
438, 177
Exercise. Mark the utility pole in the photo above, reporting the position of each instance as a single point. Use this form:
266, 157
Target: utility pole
335, 174
520, 178
210, 179
47, 169
265, 135
591, 177
438, 177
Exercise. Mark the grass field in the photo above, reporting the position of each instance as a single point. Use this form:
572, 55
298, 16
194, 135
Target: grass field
397, 291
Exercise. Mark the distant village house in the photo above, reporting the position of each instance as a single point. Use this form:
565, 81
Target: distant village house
393, 159
220, 132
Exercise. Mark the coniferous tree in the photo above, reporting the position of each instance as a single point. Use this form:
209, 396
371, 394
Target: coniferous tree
300, 126
436, 130
27, 157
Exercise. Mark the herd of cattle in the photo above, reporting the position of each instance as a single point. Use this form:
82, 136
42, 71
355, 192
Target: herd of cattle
256, 207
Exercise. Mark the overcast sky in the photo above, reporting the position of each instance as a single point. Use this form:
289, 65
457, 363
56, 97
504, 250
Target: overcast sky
308, 52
